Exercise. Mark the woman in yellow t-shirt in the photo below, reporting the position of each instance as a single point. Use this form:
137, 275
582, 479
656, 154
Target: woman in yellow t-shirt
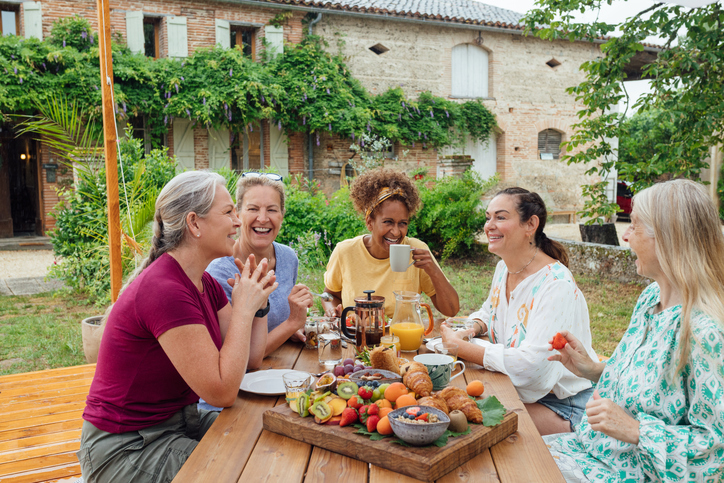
388, 199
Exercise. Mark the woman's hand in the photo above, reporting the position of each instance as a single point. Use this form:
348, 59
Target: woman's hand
611, 419
300, 299
423, 260
251, 289
575, 358
450, 335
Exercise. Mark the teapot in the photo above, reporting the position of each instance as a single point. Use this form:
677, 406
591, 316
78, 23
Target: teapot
407, 321
370, 314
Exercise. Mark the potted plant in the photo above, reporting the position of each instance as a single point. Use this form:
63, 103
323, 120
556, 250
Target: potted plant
419, 172
92, 330
600, 227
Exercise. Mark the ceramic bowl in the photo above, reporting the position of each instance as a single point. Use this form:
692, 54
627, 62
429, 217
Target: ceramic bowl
387, 376
419, 434
329, 386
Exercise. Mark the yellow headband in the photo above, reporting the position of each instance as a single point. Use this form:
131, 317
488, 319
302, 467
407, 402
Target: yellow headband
382, 196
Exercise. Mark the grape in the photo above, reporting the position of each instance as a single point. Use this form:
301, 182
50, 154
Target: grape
376, 395
368, 367
339, 371
348, 362
348, 368
357, 368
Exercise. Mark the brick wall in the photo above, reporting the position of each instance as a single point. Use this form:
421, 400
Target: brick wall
526, 95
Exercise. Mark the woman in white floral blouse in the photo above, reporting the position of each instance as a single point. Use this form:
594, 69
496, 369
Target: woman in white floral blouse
657, 413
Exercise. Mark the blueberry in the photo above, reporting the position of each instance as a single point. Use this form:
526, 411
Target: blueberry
419, 413
375, 384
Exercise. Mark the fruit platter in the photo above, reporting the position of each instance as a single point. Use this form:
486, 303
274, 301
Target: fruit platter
401, 425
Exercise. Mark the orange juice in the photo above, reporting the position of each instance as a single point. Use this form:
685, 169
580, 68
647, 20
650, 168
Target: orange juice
410, 335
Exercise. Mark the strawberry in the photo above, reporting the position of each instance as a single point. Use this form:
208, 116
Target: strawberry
559, 342
422, 417
349, 416
372, 423
355, 402
363, 414
365, 392
373, 409
413, 410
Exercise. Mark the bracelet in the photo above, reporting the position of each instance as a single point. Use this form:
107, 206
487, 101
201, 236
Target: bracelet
262, 312
482, 330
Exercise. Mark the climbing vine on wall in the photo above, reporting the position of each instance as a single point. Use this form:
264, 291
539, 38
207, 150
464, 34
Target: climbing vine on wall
305, 89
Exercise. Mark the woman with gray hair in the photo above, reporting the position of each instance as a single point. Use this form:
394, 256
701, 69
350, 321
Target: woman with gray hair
657, 413
171, 337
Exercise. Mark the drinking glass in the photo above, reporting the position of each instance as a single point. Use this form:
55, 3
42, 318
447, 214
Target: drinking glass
461, 323
296, 382
448, 349
388, 340
329, 341
310, 332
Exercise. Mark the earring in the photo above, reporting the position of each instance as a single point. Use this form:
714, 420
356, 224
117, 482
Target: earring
198, 235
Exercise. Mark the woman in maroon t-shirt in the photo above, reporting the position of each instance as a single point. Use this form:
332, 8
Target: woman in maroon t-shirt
171, 337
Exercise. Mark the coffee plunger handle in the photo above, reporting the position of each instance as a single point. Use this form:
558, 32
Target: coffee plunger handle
369, 293
429, 314
343, 323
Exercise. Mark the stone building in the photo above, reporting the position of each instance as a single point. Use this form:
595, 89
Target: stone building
458, 49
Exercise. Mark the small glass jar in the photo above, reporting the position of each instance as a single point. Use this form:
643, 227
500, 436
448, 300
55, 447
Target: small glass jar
310, 332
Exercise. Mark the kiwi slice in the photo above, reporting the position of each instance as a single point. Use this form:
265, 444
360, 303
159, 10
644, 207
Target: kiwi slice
347, 389
321, 409
303, 405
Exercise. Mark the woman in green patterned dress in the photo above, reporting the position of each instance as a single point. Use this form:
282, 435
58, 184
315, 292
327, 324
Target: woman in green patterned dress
658, 410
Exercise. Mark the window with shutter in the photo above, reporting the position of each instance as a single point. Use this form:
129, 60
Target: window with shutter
279, 150
222, 33
151, 36
549, 144
33, 16
219, 148
275, 39
178, 46
9, 19
469, 71
183, 143
245, 38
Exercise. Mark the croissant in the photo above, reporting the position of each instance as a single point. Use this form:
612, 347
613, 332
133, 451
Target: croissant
458, 399
435, 401
417, 379
384, 358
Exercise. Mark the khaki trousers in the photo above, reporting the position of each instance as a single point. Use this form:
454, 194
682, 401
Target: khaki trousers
151, 455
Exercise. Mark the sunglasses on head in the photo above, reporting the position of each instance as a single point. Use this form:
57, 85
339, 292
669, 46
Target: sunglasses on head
256, 174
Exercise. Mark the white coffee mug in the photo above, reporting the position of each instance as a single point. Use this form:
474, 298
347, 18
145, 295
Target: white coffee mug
440, 368
400, 258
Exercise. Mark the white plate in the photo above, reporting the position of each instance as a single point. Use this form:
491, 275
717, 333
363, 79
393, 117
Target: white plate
267, 383
431, 344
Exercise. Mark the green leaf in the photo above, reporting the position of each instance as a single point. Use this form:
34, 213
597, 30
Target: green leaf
492, 409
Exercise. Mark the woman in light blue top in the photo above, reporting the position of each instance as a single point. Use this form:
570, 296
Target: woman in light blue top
260, 206
657, 413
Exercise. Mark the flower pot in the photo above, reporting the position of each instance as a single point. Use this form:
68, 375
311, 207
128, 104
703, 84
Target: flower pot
603, 234
91, 331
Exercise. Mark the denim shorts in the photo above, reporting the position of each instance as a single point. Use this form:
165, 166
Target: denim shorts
571, 408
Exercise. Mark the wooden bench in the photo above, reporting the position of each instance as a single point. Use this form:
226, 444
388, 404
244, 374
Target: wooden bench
40, 424
571, 214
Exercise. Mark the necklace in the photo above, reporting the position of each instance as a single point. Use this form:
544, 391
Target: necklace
526, 265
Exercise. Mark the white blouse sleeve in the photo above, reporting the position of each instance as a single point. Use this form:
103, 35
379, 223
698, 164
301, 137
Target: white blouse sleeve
527, 366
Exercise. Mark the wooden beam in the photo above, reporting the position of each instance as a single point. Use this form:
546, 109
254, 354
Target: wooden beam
109, 135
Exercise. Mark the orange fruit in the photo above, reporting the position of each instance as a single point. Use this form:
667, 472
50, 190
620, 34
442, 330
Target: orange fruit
384, 412
475, 388
404, 401
383, 426
383, 403
395, 390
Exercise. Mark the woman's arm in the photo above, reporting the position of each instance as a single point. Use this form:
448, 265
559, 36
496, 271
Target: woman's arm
333, 308
215, 375
446, 299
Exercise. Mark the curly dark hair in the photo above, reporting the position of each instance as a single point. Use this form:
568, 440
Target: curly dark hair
367, 187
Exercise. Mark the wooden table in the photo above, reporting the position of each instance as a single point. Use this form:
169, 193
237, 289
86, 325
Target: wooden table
236, 448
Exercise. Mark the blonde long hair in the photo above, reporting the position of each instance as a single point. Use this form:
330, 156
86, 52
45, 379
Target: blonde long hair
689, 248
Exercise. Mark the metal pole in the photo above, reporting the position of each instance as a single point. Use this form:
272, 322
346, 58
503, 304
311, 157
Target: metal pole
109, 135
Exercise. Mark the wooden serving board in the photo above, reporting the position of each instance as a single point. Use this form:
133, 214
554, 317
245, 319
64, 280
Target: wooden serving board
427, 463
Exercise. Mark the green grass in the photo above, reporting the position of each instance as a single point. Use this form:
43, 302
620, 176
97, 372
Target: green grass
44, 331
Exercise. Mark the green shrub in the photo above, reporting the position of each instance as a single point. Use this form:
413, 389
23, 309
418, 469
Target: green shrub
451, 216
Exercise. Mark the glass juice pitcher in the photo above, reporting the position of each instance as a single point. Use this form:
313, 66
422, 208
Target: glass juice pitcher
407, 322
370, 320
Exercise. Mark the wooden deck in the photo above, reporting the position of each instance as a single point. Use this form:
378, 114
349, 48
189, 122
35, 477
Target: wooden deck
40, 423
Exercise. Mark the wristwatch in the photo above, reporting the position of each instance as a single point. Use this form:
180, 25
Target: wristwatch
264, 311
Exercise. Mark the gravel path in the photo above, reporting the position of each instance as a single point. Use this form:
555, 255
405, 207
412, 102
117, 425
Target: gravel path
25, 263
